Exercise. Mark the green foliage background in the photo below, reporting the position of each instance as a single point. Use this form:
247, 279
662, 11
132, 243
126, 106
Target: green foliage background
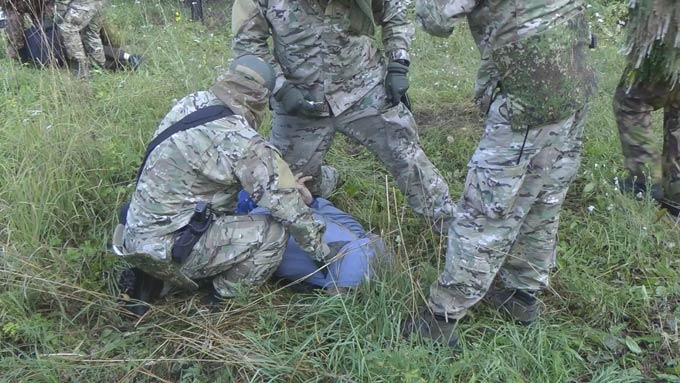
69, 151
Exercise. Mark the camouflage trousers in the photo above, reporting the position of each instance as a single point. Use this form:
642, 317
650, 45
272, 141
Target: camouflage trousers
387, 132
506, 223
235, 251
633, 110
79, 23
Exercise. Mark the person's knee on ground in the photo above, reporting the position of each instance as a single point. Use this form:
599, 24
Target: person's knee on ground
258, 267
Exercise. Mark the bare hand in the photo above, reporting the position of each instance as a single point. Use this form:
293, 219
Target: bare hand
306, 195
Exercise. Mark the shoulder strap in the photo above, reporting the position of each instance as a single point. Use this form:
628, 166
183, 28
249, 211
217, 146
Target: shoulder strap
191, 120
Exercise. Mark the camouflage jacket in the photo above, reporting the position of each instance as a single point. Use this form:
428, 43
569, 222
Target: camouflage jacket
212, 163
537, 47
653, 45
315, 48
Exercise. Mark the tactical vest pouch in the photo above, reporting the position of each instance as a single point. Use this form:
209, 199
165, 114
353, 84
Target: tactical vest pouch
546, 77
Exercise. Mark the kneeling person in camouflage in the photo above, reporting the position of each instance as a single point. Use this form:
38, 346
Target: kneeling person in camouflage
179, 226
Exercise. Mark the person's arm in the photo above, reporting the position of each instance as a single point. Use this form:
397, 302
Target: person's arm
250, 31
397, 30
270, 183
439, 17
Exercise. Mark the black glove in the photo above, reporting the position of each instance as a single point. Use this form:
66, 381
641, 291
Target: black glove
293, 101
396, 81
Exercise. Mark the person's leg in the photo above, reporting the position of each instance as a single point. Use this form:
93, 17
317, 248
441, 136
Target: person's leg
390, 134
71, 20
303, 142
506, 174
237, 251
532, 256
92, 40
633, 111
671, 151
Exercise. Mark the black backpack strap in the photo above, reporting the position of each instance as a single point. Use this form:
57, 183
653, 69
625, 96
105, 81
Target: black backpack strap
191, 120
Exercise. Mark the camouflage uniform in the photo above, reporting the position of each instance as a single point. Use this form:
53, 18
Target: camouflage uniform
506, 222
649, 83
212, 163
79, 23
316, 50
18, 12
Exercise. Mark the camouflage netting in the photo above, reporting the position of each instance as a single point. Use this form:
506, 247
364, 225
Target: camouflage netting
653, 45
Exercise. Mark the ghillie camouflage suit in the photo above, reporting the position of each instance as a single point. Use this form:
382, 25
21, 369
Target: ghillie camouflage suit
506, 223
328, 51
21, 12
79, 23
212, 163
651, 81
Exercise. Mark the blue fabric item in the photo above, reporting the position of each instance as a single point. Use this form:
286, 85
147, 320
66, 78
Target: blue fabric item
359, 250
42, 47
245, 204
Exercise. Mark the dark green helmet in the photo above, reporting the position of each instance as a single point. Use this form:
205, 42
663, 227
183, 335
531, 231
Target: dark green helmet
256, 69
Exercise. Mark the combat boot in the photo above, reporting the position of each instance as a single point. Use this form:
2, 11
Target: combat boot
520, 305
82, 70
330, 181
134, 61
637, 186
431, 326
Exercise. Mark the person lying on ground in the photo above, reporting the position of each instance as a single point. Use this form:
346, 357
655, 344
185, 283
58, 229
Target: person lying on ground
358, 252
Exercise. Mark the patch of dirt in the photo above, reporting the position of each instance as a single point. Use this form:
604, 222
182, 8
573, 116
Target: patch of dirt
449, 116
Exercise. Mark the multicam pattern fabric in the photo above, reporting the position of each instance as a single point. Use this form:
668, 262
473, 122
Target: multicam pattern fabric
388, 132
79, 23
316, 49
212, 163
506, 223
649, 83
644, 159
538, 48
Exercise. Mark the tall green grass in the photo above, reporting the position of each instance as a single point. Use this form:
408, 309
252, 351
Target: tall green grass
69, 151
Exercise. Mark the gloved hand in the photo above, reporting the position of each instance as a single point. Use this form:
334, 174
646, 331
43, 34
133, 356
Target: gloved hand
396, 81
294, 102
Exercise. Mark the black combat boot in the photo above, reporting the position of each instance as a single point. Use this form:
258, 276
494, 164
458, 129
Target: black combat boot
134, 61
431, 326
637, 186
520, 305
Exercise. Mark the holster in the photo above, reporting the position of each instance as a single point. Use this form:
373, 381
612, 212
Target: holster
192, 233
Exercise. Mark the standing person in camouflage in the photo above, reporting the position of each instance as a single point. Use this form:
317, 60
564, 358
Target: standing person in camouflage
79, 23
651, 81
210, 163
332, 76
503, 237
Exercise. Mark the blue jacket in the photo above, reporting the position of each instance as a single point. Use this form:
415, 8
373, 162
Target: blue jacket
356, 248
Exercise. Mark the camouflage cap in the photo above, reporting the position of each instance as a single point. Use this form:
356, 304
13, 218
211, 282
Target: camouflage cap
254, 68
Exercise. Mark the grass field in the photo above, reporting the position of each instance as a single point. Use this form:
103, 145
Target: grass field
69, 151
